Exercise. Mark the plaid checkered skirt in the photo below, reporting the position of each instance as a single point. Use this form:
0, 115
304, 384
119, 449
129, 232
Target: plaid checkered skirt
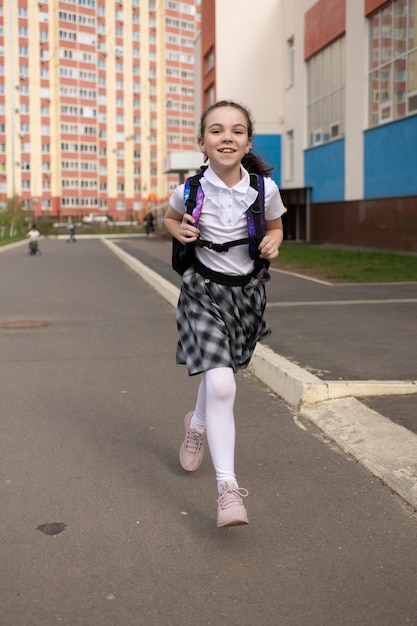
219, 325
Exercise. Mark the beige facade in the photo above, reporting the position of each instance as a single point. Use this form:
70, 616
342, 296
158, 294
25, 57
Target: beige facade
248, 59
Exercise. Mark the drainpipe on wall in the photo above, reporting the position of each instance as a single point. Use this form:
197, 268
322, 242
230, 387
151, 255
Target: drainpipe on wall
308, 215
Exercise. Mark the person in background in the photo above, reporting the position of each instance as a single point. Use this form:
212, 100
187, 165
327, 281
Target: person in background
219, 324
71, 230
33, 235
150, 223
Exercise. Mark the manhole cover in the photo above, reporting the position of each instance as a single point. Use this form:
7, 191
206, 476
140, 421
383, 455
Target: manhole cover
24, 324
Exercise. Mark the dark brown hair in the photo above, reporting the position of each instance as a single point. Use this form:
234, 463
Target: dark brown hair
251, 162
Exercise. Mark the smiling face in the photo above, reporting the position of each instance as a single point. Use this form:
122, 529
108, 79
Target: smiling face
225, 140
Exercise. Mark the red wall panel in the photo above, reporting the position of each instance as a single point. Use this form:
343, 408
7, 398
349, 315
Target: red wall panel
208, 25
324, 22
372, 5
208, 40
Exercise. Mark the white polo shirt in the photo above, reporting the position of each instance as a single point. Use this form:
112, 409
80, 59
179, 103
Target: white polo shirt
223, 218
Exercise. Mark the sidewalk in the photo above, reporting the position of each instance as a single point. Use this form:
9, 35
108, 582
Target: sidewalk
330, 346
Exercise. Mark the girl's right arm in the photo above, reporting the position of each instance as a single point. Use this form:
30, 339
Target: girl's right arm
172, 221
180, 226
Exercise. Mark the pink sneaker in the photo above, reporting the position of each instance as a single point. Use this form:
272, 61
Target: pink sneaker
192, 448
231, 511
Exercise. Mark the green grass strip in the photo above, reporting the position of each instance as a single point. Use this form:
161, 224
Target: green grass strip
336, 264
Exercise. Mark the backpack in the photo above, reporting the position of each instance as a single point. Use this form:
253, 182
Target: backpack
183, 255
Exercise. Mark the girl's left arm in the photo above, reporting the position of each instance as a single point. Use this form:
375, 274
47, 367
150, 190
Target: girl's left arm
269, 246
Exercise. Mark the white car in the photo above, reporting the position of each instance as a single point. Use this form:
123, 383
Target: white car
95, 218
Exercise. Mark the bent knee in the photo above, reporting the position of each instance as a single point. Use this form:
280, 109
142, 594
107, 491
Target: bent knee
221, 383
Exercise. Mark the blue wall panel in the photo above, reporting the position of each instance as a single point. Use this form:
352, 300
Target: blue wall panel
324, 171
269, 149
391, 159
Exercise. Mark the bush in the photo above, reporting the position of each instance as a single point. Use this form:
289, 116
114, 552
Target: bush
13, 221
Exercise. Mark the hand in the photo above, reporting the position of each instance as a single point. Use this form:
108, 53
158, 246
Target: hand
268, 248
187, 232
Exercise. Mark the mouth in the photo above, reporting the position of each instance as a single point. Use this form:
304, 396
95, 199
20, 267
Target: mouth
226, 150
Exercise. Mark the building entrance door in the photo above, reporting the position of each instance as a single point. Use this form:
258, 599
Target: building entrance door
296, 218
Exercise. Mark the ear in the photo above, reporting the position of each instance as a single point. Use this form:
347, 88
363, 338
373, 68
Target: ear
202, 149
249, 146
200, 142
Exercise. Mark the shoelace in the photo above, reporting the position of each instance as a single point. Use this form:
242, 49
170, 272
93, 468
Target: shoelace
232, 495
194, 441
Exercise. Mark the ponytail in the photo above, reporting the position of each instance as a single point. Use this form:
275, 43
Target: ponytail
254, 165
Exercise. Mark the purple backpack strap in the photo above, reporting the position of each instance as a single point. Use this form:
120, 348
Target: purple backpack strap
194, 196
256, 215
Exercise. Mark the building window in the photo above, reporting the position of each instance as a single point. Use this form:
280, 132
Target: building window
325, 94
209, 96
290, 54
209, 60
393, 62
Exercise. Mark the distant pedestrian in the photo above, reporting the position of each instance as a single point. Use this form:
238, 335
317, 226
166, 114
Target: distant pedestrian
33, 235
222, 299
71, 230
150, 223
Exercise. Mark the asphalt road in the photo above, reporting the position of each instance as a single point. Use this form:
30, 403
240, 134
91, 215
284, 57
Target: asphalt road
91, 423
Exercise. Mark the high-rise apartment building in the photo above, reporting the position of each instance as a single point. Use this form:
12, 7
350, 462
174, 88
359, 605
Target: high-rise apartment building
93, 95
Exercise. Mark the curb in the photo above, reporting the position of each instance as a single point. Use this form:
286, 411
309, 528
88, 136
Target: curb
386, 449
166, 289
300, 388
16, 244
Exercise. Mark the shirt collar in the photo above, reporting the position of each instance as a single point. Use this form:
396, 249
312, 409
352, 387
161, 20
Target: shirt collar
213, 186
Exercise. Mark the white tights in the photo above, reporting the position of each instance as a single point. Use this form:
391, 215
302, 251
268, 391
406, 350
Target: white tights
214, 414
